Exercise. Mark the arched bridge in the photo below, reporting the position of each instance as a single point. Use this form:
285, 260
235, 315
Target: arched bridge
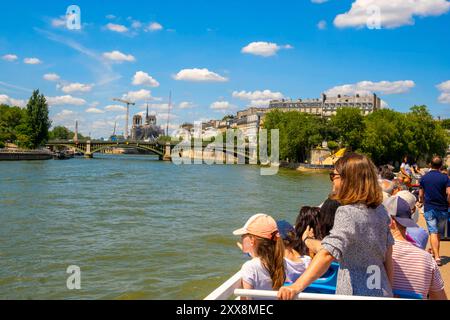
88, 148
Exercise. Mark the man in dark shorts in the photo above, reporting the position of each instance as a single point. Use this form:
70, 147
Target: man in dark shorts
435, 195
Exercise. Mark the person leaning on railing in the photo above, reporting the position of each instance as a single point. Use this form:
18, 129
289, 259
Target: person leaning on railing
360, 240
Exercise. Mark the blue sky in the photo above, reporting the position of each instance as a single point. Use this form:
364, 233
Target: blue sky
218, 57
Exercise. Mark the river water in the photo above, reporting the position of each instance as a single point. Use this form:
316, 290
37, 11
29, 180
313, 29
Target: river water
138, 228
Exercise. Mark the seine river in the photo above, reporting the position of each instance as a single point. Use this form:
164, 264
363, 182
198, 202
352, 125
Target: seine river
137, 228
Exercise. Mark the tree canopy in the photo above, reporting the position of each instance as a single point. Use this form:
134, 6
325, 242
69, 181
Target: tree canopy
385, 135
26, 127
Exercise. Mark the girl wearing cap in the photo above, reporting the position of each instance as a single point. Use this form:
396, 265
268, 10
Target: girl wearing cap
360, 239
261, 239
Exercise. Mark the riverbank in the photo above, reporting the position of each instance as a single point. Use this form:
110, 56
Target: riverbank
24, 155
305, 167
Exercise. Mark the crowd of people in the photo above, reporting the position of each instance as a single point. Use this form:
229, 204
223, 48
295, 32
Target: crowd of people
368, 225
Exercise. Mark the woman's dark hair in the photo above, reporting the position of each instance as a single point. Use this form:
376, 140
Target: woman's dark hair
326, 216
308, 216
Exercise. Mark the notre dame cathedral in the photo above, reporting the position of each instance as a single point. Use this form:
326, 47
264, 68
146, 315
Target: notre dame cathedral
148, 131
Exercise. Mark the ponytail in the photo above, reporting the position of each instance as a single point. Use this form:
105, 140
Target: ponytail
271, 253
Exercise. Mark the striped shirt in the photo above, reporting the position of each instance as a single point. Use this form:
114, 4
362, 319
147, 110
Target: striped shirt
415, 270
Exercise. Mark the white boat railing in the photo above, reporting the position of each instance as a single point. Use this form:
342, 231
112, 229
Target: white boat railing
261, 294
232, 288
226, 290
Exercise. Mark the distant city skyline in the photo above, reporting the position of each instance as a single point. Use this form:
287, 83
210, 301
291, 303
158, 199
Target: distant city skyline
221, 57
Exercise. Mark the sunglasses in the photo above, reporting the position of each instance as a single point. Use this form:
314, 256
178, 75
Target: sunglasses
334, 175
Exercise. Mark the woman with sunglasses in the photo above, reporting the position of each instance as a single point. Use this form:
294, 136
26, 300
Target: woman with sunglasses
360, 240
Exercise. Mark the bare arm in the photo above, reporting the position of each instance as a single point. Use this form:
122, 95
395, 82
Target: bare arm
319, 265
389, 266
313, 245
438, 295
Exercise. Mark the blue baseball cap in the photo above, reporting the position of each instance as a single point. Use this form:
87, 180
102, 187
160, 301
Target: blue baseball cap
284, 228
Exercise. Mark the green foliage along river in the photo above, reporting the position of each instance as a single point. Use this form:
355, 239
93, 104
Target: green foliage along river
137, 228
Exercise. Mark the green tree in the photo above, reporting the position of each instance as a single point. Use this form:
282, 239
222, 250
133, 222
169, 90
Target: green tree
446, 124
37, 119
386, 135
60, 133
348, 123
299, 132
427, 136
12, 119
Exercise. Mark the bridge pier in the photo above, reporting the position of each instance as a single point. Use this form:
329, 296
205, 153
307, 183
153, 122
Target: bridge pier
88, 154
167, 155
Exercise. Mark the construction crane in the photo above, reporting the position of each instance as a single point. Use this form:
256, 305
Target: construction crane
128, 103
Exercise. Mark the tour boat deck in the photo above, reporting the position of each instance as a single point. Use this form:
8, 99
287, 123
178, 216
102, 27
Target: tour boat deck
232, 287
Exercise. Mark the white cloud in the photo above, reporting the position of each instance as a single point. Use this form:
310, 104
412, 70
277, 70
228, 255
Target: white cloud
4, 99
64, 115
154, 26
163, 116
32, 61
186, 105
119, 57
136, 24
322, 25
257, 95
51, 77
199, 75
444, 97
393, 13
65, 100
258, 98
76, 87
110, 17
222, 106
444, 87
94, 110
10, 57
143, 78
264, 49
158, 106
368, 87
319, 1
59, 22
115, 108
138, 95
116, 27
